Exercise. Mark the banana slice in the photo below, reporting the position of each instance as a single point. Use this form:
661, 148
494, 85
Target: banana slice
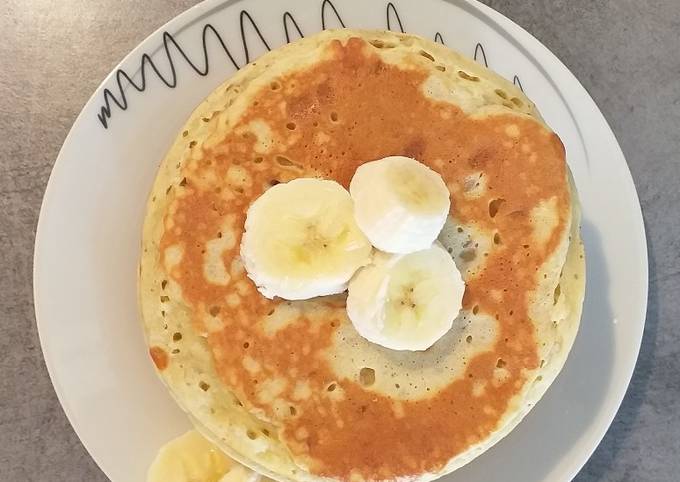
406, 302
241, 473
192, 458
401, 205
301, 240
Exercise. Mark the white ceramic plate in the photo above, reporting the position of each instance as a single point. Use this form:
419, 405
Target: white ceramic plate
88, 238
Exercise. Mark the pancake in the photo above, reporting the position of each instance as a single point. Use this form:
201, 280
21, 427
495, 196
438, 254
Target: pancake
290, 388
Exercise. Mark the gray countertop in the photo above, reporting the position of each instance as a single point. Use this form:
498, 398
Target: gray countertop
54, 54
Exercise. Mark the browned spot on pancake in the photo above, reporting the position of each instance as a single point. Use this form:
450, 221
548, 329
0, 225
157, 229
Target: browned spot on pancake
414, 149
479, 159
325, 93
159, 357
363, 105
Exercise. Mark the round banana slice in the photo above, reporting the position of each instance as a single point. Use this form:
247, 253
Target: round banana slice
191, 457
301, 240
241, 473
406, 302
401, 205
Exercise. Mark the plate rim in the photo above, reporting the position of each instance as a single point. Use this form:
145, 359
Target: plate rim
518, 35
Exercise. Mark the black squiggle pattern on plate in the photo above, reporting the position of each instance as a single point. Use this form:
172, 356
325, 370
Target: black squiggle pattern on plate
516, 81
170, 46
479, 52
328, 3
286, 18
168, 41
243, 16
395, 14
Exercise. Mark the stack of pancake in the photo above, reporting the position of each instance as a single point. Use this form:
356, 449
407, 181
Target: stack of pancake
288, 387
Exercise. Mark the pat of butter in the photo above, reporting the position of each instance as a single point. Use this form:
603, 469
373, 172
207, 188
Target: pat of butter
192, 458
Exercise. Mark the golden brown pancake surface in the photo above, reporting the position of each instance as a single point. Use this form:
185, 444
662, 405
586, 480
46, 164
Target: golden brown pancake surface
285, 361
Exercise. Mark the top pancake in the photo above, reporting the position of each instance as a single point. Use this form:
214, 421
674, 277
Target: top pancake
290, 387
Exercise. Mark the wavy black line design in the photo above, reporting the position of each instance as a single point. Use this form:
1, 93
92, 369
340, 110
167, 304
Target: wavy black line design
168, 41
395, 14
516, 81
328, 3
170, 45
286, 17
479, 50
242, 16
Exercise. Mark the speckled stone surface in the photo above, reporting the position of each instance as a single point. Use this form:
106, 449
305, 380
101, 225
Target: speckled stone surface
54, 54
